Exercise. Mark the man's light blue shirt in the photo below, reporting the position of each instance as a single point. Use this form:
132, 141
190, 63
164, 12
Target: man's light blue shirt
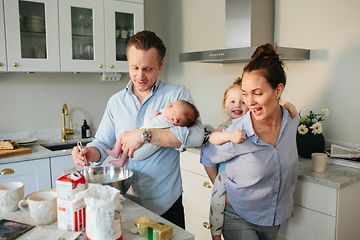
156, 183
261, 178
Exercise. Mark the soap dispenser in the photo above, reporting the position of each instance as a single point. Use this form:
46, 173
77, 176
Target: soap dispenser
85, 130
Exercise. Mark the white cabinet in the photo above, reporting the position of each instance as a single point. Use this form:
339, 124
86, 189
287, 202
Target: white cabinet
3, 61
67, 35
122, 20
60, 165
196, 196
34, 174
94, 34
32, 36
323, 213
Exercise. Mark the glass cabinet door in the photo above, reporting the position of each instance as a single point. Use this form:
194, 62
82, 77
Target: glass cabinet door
32, 35
82, 35
122, 20
3, 65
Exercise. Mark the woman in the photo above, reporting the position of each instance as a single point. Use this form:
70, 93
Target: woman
262, 171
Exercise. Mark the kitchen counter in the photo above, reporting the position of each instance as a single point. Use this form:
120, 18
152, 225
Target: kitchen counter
129, 213
38, 151
335, 175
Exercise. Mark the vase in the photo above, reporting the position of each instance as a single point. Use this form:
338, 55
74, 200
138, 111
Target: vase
310, 143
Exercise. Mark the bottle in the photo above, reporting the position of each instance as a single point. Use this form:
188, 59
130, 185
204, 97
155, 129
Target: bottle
85, 130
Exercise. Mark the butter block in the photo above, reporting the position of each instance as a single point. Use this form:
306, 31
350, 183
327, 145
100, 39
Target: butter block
153, 230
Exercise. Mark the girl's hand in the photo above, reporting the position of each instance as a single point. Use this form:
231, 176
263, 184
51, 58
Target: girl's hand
237, 136
291, 108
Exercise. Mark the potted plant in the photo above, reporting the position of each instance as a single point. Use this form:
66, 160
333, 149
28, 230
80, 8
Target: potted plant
309, 135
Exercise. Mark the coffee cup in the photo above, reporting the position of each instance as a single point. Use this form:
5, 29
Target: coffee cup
319, 161
10, 195
41, 206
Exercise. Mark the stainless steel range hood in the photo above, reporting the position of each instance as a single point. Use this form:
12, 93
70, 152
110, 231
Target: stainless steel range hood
249, 23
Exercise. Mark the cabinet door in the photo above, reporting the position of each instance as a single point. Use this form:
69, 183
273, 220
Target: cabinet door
32, 36
3, 65
61, 165
82, 35
122, 20
309, 225
196, 224
35, 174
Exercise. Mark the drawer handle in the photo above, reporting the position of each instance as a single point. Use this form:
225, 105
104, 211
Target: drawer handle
7, 171
15, 64
207, 185
206, 225
100, 65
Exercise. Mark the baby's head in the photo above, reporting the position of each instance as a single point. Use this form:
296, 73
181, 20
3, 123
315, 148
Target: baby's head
181, 113
233, 104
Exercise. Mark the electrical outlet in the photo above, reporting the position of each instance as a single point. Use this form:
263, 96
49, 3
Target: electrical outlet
110, 77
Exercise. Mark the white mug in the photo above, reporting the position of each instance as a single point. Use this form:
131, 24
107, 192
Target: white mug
41, 206
10, 195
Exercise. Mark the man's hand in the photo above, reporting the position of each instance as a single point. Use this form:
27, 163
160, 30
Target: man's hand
131, 140
92, 154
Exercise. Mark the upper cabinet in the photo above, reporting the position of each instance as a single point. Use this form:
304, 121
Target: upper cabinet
93, 39
82, 35
32, 36
68, 35
122, 19
3, 63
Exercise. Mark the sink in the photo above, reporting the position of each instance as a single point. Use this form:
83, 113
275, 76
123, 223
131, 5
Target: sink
62, 146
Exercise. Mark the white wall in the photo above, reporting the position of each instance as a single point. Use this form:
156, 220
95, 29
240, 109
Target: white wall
33, 102
330, 79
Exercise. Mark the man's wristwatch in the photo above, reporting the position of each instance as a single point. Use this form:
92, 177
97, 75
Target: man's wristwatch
146, 136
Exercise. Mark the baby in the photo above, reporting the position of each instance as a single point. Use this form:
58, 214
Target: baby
179, 113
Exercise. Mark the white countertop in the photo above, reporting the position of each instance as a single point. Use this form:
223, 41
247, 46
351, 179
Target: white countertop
129, 213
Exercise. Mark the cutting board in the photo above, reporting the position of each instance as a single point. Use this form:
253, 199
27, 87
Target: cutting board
13, 152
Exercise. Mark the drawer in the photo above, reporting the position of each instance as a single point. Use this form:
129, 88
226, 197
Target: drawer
309, 225
195, 224
315, 196
197, 192
35, 174
190, 161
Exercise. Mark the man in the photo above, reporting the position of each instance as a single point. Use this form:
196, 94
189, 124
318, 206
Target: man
156, 183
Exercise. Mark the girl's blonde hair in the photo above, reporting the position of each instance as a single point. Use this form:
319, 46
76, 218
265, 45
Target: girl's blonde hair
236, 83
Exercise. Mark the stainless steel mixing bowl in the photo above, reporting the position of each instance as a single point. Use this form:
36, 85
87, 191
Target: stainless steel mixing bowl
111, 175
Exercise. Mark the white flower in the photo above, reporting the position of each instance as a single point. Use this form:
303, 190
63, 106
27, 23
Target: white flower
316, 128
325, 112
302, 129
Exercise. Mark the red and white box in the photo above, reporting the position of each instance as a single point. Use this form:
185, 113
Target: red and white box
70, 184
71, 213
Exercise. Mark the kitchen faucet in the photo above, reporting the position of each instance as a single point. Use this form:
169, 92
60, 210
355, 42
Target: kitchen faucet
65, 131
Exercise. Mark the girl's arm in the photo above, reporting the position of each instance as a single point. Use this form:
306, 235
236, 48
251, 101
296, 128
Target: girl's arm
236, 136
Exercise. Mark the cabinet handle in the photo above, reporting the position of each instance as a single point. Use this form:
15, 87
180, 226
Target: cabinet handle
1, 64
100, 65
206, 225
111, 66
15, 64
7, 171
207, 185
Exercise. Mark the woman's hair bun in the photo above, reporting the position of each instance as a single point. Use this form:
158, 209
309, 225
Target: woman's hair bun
266, 51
